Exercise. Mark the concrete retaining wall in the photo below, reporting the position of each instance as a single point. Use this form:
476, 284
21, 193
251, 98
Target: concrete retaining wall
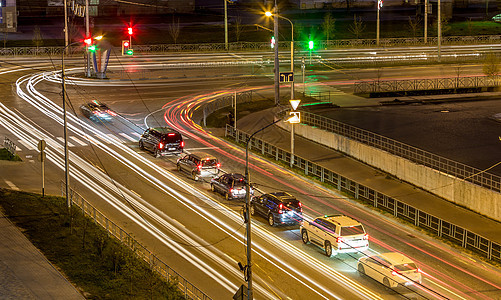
473, 197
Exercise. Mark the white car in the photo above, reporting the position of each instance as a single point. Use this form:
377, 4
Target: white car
335, 234
391, 269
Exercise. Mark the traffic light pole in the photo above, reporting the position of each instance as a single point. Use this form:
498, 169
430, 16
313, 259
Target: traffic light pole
87, 34
277, 65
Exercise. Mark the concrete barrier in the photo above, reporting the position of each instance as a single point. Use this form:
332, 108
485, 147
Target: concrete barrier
458, 191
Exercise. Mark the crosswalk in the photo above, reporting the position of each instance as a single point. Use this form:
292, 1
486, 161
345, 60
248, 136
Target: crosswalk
74, 141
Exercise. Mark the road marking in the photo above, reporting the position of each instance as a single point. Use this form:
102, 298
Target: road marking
62, 140
136, 134
11, 185
26, 144
127, 137
113, 137
201, 148
78, 141
18, 149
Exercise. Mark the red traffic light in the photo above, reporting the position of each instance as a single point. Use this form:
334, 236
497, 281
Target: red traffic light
126, 43
129, 30
88, 41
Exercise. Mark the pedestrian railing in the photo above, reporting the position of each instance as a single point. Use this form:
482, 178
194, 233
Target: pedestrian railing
9, 145
416, 155
156, 264
406, 85
444, 229
225, 101
265, 46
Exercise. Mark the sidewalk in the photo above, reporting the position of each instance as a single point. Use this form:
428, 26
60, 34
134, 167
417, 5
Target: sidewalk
371, 177
25, 272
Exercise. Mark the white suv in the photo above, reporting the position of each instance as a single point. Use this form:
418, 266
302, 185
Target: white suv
335, 234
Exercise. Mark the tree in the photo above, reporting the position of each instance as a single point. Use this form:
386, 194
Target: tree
491, 64
238, 27
357, 27
37, 37
414, 25
174, 29
444, 25
469, 26
328, 26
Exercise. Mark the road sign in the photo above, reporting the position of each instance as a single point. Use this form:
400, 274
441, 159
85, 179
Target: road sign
286, 76
295, 117
41, 145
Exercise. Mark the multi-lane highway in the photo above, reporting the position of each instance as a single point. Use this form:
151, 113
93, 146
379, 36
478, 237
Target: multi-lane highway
195, 231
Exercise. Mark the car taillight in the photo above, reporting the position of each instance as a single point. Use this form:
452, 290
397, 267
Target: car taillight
280, 208
218, 165
160, 145
300, 207
339, 239
171, 134
199, 167
366, 236
182, 144
394, 273
231, 191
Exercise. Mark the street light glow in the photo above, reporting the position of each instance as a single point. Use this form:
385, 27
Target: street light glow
268, 14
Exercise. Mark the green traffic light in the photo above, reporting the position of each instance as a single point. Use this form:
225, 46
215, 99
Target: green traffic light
130, 52
92, 48
310, 45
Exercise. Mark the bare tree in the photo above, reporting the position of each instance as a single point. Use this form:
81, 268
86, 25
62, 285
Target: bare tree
174, 29
357, 27
238, 28
328, 26
414, 25
444, 25
491, 64
37, 37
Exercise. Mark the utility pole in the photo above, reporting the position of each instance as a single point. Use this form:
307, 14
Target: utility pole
425, 22
277, 65
225, 25
87, 35
439, 30
65, 27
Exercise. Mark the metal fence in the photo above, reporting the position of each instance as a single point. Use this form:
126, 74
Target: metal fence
382, 86
9, 145
189, 290
225, 101
452, 232
263, 46
419, 156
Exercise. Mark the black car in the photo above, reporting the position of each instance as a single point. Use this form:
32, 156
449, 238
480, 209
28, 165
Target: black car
161, 141
231, 185
97, 111
278, 208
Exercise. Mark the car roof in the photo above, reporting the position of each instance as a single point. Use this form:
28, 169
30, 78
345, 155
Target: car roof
235, 175
283, 196
342, 220
164, 130
396, 258
203, 155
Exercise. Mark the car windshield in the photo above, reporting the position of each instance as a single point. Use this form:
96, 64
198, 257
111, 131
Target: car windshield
209, 163
352, 230
406, 267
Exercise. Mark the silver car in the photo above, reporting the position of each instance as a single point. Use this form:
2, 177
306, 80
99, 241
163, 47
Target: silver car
230, 185
199, 165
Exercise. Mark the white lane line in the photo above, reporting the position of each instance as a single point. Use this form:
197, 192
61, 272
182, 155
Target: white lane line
113, 137
62, 141
79, 141
26, 144
128, 137
18, 149
11, 185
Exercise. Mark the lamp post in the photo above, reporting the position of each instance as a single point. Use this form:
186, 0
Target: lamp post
225, 25
269, 14
247, 211
439, 29
379, 6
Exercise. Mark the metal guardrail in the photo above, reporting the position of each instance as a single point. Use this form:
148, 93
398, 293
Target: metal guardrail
447, 230
419, 156
189, 290
9, 145
381, 86
263, 46
224, 101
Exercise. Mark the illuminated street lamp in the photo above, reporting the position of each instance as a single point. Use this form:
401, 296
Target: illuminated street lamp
269, 14
379, 6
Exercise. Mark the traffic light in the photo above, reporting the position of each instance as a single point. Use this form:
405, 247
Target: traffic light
310, 45
129, 30
88, 42
272, 42
92, 48
125, 47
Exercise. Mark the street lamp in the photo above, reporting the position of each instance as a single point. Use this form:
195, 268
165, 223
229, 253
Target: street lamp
247, 215
269, 14
379, 6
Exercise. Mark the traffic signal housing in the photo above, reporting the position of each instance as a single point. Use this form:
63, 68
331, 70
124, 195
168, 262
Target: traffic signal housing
272, 42
310, 45
126, 50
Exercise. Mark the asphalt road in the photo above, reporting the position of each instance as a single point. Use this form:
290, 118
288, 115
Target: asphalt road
197, 232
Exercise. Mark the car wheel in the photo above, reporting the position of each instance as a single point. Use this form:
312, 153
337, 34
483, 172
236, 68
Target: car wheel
212, 188
157, 153
194, 176
361, 269
227, 196
141, 145
386, 282
271, 219
178, 167
328, 249
252, 210
304, 237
